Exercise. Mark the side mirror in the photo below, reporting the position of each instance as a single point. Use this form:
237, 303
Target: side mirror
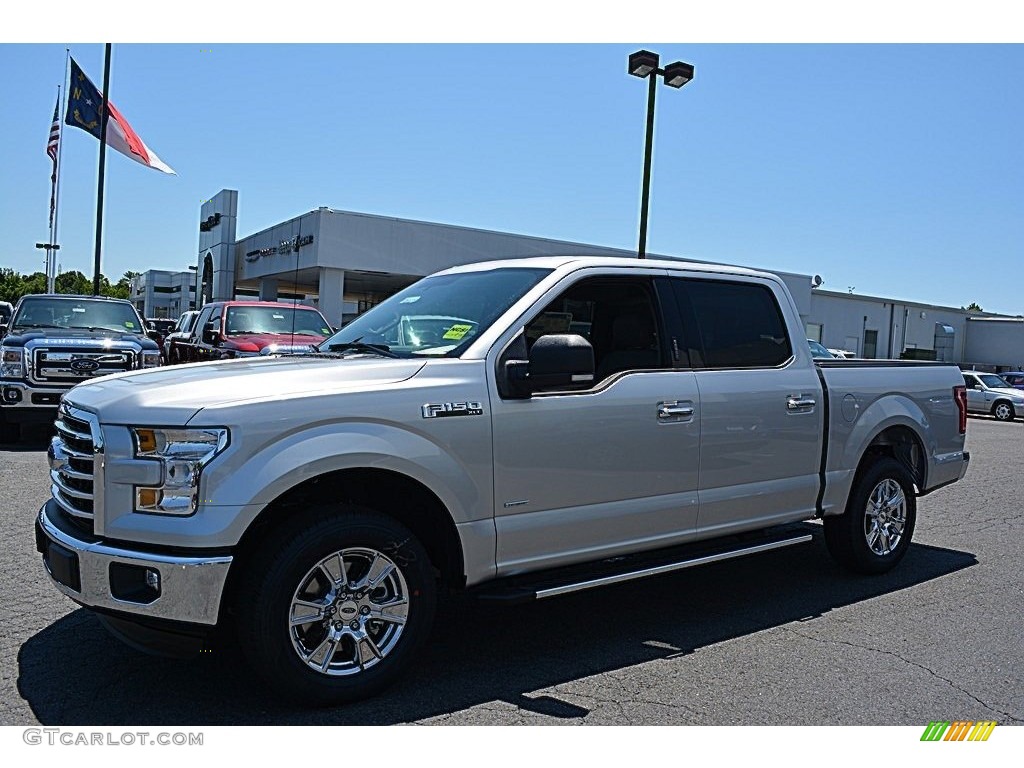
557, 361
211, 334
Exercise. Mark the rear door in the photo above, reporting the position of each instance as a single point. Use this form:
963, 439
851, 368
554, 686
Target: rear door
761, 406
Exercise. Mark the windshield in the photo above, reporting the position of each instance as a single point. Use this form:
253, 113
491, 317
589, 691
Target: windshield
994, 382
302, 321
79, 313
439, 315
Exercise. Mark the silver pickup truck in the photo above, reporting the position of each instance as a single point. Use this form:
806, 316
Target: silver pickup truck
572, 422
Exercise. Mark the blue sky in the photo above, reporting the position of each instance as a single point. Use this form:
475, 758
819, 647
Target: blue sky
897, 170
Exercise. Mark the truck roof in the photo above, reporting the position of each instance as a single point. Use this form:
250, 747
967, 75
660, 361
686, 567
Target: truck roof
73, 296
576, 261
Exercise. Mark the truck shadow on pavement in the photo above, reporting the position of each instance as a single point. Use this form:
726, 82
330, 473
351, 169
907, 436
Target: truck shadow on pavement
74, 673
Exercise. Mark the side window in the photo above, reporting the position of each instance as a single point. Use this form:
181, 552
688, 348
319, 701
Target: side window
617, 316
740, 324
201, 321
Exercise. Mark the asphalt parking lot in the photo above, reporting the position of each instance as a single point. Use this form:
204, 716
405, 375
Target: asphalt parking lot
784, 638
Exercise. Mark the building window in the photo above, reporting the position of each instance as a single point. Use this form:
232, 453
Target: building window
814, 331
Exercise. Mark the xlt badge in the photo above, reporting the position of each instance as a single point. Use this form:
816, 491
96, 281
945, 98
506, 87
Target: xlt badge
437, 410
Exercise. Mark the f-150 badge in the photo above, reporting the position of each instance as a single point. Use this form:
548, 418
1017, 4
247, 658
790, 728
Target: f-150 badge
438, 410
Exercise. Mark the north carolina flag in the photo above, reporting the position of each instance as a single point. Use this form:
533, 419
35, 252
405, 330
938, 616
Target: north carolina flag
84, 102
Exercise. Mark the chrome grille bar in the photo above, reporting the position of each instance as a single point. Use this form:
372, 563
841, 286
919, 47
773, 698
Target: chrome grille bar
75, 458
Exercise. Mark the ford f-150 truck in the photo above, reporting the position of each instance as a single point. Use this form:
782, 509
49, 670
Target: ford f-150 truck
56, 341
569, 423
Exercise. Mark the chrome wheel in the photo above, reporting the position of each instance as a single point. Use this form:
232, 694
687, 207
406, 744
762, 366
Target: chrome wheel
1003, 411
348, 612
885, 517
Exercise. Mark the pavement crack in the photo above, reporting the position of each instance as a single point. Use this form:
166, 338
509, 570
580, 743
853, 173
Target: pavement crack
911, 662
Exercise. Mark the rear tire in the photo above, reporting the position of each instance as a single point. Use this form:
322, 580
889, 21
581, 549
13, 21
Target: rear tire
334, 607
1003, 411
875, 531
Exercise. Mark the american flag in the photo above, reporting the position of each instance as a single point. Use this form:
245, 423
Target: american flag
51, 145
51, 150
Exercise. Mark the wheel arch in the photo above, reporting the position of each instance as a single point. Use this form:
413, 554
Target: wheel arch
902, 443
386, 491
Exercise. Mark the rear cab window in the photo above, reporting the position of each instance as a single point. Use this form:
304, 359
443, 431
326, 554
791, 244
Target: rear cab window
737, 324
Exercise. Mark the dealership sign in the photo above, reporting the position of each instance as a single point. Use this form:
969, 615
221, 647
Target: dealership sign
285, 246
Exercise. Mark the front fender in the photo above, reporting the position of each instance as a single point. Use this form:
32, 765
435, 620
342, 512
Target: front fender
245, 487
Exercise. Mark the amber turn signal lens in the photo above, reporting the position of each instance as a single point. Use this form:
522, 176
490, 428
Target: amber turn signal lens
147, 440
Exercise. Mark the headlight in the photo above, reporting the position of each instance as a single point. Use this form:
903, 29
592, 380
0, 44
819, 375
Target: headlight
150, 359
11, 362
182, 453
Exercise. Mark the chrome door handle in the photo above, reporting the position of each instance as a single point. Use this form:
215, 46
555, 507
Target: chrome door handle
800, 403
674, 410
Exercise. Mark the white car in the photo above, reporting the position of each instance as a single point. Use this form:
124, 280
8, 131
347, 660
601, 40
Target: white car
989, 393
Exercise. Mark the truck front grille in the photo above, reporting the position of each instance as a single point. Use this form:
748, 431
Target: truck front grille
73, 458
67, 366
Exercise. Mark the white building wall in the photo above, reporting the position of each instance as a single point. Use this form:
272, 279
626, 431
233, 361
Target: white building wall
995, 341
900, 325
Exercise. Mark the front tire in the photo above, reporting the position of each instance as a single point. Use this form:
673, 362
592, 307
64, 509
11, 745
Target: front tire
874, 532
335, 607
1003, 411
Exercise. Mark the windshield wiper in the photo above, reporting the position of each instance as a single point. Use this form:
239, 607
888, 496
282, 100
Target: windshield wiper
95, 328
357, 346
37, 325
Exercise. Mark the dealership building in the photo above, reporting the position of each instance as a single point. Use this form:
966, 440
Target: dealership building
345, 262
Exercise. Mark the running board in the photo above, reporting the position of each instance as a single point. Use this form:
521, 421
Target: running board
621, 569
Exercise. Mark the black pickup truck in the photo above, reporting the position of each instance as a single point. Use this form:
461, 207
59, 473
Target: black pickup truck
54, 342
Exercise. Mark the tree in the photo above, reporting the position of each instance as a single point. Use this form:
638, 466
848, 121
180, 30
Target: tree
14, 285
73, 282
973, 307
123, 288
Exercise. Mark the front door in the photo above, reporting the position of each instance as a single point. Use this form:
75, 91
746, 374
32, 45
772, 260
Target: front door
581, 475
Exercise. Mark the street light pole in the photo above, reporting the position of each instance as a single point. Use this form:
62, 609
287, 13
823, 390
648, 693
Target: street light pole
645, 195
51, 265
676, 75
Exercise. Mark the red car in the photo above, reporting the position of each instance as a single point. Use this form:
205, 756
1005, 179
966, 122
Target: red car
228, 329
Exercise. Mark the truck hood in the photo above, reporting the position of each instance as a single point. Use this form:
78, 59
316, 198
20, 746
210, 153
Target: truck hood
261, 340
75, 337
174, 394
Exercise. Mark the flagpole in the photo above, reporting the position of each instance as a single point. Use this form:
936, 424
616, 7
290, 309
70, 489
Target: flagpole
50, 254
52, 276
104, 114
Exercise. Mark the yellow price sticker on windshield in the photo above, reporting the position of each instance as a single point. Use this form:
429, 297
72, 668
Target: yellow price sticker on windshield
456, 332
129, 324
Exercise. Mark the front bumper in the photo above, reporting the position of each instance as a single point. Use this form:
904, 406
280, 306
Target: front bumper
26, 402
176, 588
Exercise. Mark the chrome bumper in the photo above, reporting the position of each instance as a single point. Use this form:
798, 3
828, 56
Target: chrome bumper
24, 395
189, 588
